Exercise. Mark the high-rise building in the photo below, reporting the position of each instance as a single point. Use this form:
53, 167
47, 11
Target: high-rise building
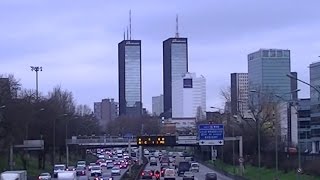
267, 74
239, 93
130, 91
105, 111
304, 128
175, 65
294, 86
314, 105
189, 94
157, 105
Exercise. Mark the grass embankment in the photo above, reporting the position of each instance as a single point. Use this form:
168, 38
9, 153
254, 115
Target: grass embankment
254, 173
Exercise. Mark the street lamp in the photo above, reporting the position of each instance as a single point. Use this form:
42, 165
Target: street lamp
36, 69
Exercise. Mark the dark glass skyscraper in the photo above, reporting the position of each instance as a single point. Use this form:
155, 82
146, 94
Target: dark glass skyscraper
130, 93
175, 66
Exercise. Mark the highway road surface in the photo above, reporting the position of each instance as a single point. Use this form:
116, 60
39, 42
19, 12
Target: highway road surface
198, 175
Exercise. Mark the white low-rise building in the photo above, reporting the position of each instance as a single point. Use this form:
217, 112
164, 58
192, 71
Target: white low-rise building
189, 96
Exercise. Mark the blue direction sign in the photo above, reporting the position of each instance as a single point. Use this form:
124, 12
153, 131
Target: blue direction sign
211, 134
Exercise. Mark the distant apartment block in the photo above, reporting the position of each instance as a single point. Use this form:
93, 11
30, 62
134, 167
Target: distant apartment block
189, 96
239, 93
157, 105
106, 111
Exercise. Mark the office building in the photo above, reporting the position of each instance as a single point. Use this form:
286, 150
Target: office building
267, 75
130, 91
189, 94
106, 111
175, 65
239, 94
314, 105
157, 105
304, 125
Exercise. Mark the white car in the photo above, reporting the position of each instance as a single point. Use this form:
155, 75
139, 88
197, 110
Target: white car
146, 152
58, 168
91, 165
116, 171
169, 174
194, 167
44, 176
96, 170
70, 175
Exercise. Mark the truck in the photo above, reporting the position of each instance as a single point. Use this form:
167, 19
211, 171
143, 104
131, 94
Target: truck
14, 175
183, 167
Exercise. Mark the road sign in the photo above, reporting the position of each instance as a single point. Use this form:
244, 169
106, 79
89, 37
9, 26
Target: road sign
156, 140
211, 134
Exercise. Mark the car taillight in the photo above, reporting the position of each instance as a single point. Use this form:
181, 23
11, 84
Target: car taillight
142, 174
151, 174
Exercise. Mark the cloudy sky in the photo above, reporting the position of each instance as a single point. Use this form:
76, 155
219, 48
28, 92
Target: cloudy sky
75, 41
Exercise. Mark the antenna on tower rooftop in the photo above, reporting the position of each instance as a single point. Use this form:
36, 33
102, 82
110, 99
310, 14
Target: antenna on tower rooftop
177, 26
124, 34
130, 23
127, 33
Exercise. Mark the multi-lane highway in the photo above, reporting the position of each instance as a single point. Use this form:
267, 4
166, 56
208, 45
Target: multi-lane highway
197, 175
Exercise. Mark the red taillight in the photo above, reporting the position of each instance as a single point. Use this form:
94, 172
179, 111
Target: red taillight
151, 174
142, 174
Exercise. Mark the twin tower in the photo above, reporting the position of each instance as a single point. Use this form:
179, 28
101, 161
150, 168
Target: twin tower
175, 65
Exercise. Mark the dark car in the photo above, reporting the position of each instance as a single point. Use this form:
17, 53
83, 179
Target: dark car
81, 171
183, 167
147, 174
211, 176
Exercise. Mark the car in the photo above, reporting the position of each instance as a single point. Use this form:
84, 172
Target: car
70, 175
164, 160
146, 152
81, 163
110, 165
211, 176
169, 174
109, 160
81, 171
171, 159
106, 176
123, 165
153, 161
91, 165
147, 174
183, 167
71, 168
96, 171
103, 164
194, 167
117, 162
188, 175
44, 176
163, 168
116, 171
58, 168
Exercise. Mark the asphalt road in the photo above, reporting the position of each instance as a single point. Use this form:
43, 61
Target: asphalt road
104, 170
198, 175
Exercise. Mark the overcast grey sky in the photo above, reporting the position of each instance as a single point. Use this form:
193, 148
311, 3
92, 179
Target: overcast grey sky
76, 40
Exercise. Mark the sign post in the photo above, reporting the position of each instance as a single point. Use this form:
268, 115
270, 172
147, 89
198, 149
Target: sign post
211, 134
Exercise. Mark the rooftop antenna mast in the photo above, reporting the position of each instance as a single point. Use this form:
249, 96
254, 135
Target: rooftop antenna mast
177, 26
127, 33
130, 23
124, 34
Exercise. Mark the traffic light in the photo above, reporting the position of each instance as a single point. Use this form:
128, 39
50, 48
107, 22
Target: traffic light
156, 140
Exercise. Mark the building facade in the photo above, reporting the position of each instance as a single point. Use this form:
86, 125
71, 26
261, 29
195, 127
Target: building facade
130, 88
304, 125
239, 93
106, 111
175, 65
189, 96
315, 105
157, 105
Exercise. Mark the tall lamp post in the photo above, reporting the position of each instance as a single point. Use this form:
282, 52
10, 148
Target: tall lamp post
54, 137
36, 69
